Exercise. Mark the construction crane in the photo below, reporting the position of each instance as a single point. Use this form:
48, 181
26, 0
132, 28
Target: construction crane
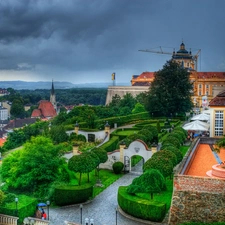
193, 57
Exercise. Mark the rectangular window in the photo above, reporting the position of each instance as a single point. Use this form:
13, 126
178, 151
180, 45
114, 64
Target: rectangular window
207, 93
207, 86
199, 93
219, 123
200, 86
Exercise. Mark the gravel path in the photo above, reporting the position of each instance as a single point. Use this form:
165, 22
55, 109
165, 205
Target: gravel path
102, 209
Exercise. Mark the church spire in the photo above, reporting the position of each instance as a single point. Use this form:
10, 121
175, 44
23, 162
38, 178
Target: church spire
52, 96
52, 90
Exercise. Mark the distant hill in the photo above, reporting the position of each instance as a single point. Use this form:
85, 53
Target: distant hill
19, 85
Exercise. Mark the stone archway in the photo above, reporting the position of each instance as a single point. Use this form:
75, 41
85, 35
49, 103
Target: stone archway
136, 148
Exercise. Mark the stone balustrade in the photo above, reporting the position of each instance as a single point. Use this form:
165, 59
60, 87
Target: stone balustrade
8, 220
39, 221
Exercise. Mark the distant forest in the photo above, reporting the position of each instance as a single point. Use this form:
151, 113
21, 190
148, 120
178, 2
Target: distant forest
74, 96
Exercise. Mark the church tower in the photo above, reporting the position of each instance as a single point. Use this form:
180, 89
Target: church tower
184, 58
52, 97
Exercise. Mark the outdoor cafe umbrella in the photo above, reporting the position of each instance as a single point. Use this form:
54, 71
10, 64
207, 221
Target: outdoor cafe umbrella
196, 125
206, 111
202, 117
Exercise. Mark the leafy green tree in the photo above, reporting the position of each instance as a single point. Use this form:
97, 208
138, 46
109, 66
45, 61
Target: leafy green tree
152, 181
58, 134
172, 140
138, 108
14, 139
60, 118
128, 100
220, 144
115, 101
166, 154
175, 150
170, 91
154, 132
84, 163
102, 155
17, 109
141, 98
148, 136
89, 116
34, 167
164, 165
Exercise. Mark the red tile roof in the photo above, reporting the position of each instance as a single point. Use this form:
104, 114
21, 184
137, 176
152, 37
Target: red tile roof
219, 100
2, 141
45, 109
202, 75
220, 75
146, 75
36, 113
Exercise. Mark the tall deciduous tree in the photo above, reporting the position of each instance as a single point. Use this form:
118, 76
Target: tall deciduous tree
34, 167
170, 92
17, 109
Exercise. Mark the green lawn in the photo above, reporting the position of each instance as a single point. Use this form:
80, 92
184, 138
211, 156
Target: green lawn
107, 177
126, 132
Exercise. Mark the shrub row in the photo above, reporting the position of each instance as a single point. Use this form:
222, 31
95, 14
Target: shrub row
140, 208
67, 195
111, 145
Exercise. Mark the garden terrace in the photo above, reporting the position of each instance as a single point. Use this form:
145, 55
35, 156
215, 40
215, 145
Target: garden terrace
196, 195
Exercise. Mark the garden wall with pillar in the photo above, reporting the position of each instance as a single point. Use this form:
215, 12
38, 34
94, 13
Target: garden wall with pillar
197, 199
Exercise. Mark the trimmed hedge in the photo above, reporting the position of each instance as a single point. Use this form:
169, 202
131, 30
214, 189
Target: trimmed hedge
118, 167
68, 195
139, 207
111, 145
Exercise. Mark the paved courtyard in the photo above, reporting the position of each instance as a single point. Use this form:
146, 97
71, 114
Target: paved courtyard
102, 209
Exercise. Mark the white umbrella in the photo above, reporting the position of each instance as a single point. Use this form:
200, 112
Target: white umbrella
206, 111
196, 125
202, 117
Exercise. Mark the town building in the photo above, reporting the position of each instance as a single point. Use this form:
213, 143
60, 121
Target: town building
46, 109
4, 113
217, 115
203, 82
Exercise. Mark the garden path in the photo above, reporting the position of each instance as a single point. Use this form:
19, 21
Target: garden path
102, 209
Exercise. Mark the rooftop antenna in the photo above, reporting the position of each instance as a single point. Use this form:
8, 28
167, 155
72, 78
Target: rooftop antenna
114, 78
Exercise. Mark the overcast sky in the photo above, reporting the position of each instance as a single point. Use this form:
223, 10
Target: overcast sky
85, 41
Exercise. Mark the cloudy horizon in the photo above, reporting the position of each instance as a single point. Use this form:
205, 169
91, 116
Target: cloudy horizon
83, 41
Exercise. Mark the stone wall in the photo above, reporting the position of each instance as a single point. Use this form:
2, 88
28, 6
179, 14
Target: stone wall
123, 90
197, 199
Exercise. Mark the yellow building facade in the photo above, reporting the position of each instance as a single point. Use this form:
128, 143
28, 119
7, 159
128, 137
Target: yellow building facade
203, 82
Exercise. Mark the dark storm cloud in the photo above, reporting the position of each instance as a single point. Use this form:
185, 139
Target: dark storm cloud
68, 38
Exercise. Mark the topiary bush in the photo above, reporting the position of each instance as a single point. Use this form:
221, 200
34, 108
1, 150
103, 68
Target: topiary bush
118, 167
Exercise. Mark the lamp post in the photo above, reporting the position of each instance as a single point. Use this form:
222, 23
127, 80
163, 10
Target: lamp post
116, 215
48, 204
81, 207
16, 200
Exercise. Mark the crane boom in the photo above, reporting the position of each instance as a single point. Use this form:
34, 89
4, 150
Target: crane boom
157, 52
194, 57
